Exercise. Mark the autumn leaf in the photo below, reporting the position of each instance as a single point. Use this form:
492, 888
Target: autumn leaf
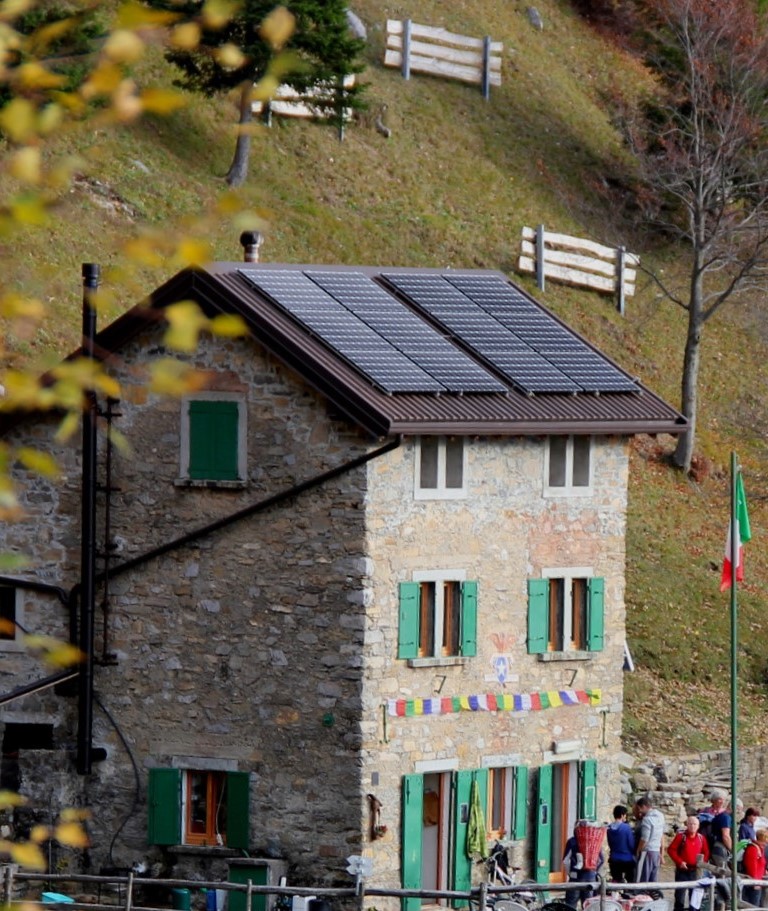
10, 799
74, 814
186, 36
54, 652
17, 119
39, 834
161, 101
228, 325
26, 855
41, 463
124, 46
278, 27
217, 13
71, 834
186, 322
136, 15
171, 377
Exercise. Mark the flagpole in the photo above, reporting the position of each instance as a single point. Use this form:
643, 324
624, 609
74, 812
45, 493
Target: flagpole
734, 557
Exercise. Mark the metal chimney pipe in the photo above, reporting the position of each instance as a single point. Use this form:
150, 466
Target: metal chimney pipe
91, 274
251, 241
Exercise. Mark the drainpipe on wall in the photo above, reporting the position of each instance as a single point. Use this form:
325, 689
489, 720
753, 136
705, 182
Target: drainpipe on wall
91, 275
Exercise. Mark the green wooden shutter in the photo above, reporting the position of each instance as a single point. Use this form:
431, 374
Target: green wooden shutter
596, 615
469, 619
408, 632
462, 792
213, 440
588, 789
164, 807
538, 616
520, 808
238, 810
543, 850
412, 828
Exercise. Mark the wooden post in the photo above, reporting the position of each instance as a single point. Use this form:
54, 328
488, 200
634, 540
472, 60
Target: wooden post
407, 49
340, 99
620, 259
129, 892
540, 257
486, 67
249, 896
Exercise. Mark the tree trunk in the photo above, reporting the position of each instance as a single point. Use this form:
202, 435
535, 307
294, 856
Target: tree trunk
238, 170
691, 360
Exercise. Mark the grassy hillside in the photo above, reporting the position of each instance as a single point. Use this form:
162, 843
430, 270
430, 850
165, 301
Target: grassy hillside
453, 186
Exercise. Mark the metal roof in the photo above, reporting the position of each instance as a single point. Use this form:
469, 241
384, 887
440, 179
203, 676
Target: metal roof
505, 408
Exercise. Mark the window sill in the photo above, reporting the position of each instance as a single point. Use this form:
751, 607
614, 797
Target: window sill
205, 850
210, 484
447, 661
566, 656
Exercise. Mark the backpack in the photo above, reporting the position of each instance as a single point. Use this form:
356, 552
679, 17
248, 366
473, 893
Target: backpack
741, 847
705, 829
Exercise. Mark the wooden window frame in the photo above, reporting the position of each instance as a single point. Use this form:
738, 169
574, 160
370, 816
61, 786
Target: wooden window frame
13, 612
568, 608
440, 612
215, 798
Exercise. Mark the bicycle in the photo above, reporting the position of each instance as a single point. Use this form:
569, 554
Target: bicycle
500, 875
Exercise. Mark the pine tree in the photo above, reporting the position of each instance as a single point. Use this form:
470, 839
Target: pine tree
321, 50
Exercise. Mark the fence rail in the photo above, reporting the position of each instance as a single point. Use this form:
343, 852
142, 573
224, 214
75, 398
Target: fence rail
577, 261
438, 52
11, 878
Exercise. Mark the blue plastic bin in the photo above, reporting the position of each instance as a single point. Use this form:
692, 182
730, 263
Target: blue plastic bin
56, 898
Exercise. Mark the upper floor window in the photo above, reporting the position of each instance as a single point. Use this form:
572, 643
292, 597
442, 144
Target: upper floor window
440, 468
568, 465
198, 807
565, 612
213, 438
438, 616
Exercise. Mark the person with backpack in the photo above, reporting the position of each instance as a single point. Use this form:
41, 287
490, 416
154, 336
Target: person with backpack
722, 840
752, 865
686, 848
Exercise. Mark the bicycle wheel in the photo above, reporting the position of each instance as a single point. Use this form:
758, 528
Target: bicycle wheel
505, 904
556, 905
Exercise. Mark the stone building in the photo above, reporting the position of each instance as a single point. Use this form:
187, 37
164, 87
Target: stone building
372, 569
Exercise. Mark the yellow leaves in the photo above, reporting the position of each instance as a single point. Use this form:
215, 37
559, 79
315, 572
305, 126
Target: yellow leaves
12, 9
39, 834
277, 27
34, 76
217, 13
230, 57
29, 209
26, 854
192, 252
123, 46
144, 251
186, 322
71, 835
10, 799
82, 373
16, 306
54, 652
25, 164
104, 80
18, 119
228, 325
41, 463
172, 377
135, 15
161, 101
186, 37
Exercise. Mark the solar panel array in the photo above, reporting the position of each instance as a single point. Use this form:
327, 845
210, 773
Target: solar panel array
378, 335
510, 332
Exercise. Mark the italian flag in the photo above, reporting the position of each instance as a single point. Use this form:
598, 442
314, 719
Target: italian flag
743, 534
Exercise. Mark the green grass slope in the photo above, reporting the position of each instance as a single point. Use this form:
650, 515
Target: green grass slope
453, 186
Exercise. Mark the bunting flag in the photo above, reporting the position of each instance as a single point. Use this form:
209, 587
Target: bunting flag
743, 535
490, 702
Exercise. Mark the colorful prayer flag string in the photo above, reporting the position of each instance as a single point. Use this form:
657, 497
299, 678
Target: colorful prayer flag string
491, 702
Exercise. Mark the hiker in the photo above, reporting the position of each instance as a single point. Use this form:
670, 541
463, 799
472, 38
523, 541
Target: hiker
685, 849
753, 866
573, 864
649, 838
747, 824
722, 840
621, 842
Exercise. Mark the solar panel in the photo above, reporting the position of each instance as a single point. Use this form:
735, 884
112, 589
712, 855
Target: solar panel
406, 331
536, 327
500, 346
339, 328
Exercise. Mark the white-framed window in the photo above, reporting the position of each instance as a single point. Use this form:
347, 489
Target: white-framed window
566, 611
213, 439
441, 468
437, 615
11, 618
568, 466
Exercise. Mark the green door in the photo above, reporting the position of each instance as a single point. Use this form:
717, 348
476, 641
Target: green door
412, 825
543, 848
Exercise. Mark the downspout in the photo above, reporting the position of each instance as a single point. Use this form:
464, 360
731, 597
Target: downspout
90, 274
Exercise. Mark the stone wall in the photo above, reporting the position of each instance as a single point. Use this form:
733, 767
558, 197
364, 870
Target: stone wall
677, 784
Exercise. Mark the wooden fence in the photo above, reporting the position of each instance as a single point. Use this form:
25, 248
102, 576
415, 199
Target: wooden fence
287, 102
576, 261
424, 49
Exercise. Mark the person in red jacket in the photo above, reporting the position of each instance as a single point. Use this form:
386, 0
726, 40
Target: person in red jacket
753, 866
685, 849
